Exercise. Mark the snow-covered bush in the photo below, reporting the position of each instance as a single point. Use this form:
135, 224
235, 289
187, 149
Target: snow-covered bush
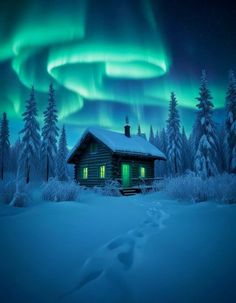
190, 187
143, 187
20, 198
7, 190
111, 188
158, 185
98, 190
55, 190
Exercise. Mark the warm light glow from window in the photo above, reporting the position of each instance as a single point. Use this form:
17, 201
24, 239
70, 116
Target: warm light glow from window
142, 172
102, 171
85, 173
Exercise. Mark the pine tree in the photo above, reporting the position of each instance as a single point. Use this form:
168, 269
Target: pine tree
230, 124
161, 166
139, 133
222, 148
4, 145
14, 156
156, 140
186, 152
151, 136
62, 173
49, 136
205, 133
174, 144
30, 142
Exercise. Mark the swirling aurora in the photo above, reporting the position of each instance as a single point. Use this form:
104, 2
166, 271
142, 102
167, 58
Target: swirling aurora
106, 59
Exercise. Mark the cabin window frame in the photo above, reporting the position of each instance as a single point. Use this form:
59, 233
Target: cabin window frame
102, 174
142, 168
84, 173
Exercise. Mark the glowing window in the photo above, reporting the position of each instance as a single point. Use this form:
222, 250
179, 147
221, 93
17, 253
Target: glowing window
85, 173
142, 172
102, 171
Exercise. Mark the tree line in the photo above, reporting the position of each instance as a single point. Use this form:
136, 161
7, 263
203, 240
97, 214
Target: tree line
35, 154
210, 149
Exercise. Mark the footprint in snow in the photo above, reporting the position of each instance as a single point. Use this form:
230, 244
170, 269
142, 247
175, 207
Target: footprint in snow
118, 254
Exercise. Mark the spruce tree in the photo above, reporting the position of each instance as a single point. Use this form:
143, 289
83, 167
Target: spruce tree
151, 136
4, 145
174, 144
62, 173
156, 140
205, 133
14, 156
230, 124
30, 143
49, 137
186, 152
139, 133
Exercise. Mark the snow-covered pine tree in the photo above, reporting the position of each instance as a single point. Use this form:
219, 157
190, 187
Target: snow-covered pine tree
186, 152
205, 133
161, 166
156, 140
14, 156
174, 144
222, 148
139, 133
4, 145
62, 172
30, 142
49, 137
230, 124
151, 136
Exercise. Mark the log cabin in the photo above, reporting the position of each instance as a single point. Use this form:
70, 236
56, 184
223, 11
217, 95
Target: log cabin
102, 155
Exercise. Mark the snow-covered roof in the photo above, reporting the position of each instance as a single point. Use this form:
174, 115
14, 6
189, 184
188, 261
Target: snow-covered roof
119, 143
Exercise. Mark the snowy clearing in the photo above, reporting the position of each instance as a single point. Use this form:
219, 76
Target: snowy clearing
143, 248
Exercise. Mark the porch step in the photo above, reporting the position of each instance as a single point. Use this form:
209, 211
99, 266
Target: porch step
129, 191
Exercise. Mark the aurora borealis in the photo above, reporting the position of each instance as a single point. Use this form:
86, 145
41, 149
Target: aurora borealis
108, 59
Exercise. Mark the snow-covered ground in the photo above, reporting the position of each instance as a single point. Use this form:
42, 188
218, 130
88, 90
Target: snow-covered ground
143, 248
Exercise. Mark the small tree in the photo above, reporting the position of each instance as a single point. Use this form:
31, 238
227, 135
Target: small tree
205, 137
49, 137
174, 144
139, 133
30, 143
230, 124
4, 145
62, 173
186, 152
151, 136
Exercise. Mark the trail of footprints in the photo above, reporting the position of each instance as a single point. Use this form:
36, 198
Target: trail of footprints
119, 252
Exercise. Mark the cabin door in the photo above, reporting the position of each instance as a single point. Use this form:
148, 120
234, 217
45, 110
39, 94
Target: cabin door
126, 174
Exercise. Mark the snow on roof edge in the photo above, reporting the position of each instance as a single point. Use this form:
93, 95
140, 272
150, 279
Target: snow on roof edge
119, 143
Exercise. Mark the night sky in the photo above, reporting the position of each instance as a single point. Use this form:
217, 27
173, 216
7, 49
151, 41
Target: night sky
108, 59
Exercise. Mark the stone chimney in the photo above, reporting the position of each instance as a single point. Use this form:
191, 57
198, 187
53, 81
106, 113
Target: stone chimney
127, 127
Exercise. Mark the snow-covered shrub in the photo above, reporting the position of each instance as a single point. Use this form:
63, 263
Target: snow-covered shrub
143, 187
158, 185
7, 190
223, 188
20, 198
98, 190
111, 188
189, 187
55, 190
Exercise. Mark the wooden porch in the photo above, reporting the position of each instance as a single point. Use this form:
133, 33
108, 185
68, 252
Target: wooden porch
140, 185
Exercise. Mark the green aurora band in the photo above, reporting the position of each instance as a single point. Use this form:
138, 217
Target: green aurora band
92, 52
